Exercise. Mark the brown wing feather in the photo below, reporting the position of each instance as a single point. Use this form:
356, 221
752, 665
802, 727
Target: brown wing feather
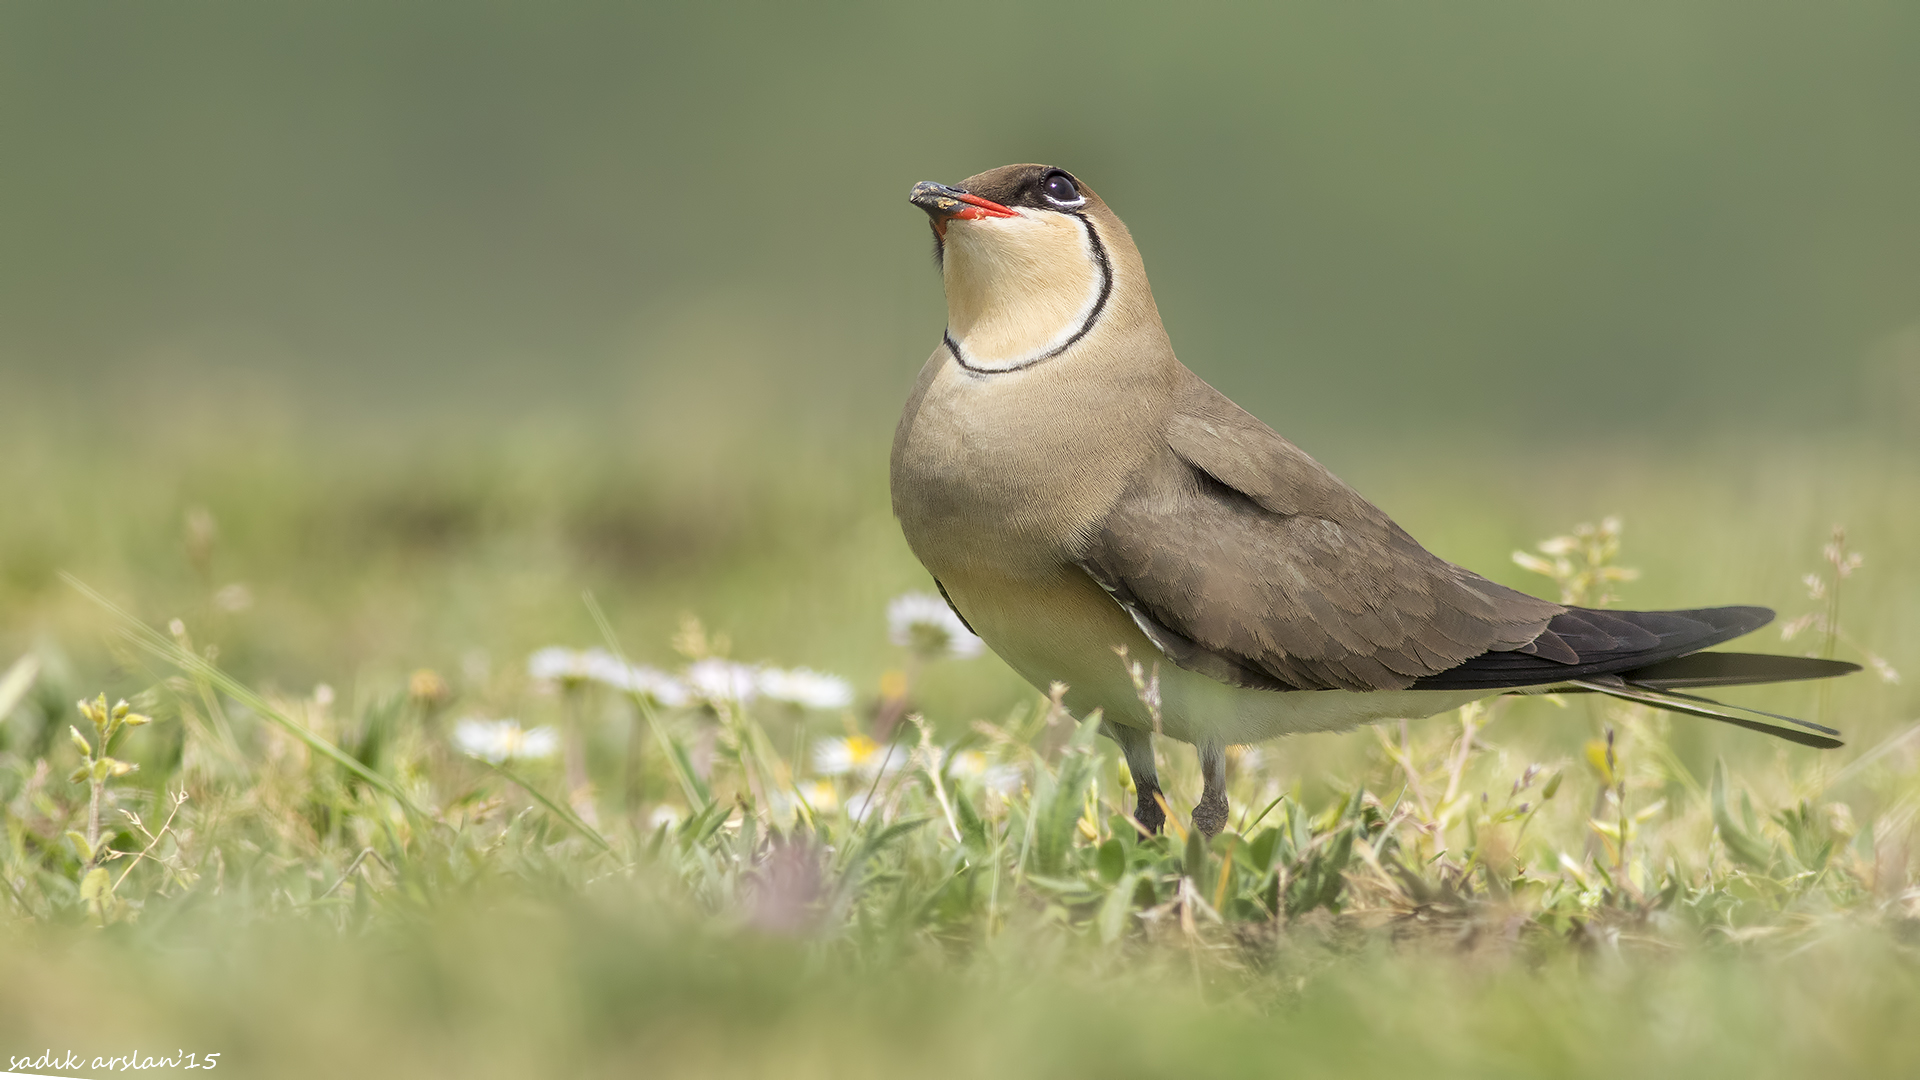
1246, 560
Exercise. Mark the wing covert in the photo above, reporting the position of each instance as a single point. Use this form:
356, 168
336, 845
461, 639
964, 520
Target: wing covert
1244, 559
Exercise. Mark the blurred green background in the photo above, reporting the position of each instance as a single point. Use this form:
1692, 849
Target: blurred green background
1518, 220
444, 312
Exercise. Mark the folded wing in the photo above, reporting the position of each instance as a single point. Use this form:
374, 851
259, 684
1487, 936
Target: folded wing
1244, 559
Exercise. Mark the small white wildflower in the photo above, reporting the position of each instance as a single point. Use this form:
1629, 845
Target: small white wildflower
504, 740
605, 668
819, 794
723, 680
322, 695
806, 688
665, 816
976, 766
566, 666
838, 757
657, 685
859, 805
926, 624
557, 663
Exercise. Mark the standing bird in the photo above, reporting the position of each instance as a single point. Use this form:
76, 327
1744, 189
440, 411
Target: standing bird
1075, 491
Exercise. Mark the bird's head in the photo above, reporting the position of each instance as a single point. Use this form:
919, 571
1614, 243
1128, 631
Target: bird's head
1031, 259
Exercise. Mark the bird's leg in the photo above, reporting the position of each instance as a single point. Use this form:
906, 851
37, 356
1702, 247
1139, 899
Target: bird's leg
1137, 745
1211, 815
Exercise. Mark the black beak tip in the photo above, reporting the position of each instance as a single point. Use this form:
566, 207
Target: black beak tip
938, 200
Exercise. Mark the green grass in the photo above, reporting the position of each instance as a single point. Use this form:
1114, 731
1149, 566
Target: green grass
343, 890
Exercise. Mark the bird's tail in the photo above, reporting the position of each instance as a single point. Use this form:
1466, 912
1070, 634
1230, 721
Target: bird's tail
1659, 685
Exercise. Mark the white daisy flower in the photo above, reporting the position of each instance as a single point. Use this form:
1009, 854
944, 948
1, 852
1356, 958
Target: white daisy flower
557, 663
604, 668
838, 757
574, 666
805, 688
819, 795
657, 685
859, 805
504, 740
723, 680
976, 766
926, 624
607, 670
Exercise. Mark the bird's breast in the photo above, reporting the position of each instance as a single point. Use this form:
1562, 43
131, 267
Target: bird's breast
1009, 471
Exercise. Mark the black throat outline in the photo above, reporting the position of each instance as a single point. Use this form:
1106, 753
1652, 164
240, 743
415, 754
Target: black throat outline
1099, 308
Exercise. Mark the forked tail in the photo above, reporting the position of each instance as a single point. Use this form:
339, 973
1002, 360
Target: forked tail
1660, 685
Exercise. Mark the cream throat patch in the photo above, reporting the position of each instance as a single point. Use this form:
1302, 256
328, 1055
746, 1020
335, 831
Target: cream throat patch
1021, 290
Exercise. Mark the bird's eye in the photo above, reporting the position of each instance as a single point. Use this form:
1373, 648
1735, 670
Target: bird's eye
1059, 189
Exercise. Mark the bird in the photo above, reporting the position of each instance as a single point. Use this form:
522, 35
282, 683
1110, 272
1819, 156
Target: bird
1081, 497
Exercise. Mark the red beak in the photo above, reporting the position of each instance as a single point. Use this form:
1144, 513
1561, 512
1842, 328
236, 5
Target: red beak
943, 204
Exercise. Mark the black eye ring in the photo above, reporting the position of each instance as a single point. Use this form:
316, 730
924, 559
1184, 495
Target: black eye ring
1060, 190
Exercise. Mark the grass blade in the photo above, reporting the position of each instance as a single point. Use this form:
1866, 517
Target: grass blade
17, 681
563, 813
146, 637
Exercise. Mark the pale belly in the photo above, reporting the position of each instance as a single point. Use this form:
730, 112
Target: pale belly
1062, 627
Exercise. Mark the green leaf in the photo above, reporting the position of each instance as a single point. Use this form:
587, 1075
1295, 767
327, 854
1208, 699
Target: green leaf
96, 884
1111, 861
1114, 910
1746, 848
1259, 854
851, 874
973, 829
1059, 806
80, 845
1811, 842
1320, 878
879, 841
1195, 864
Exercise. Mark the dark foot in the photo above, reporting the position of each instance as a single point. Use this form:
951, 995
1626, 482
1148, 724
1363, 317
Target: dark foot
1148, 812
1210, 816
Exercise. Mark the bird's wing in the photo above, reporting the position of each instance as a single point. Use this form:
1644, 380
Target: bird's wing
1244, 559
